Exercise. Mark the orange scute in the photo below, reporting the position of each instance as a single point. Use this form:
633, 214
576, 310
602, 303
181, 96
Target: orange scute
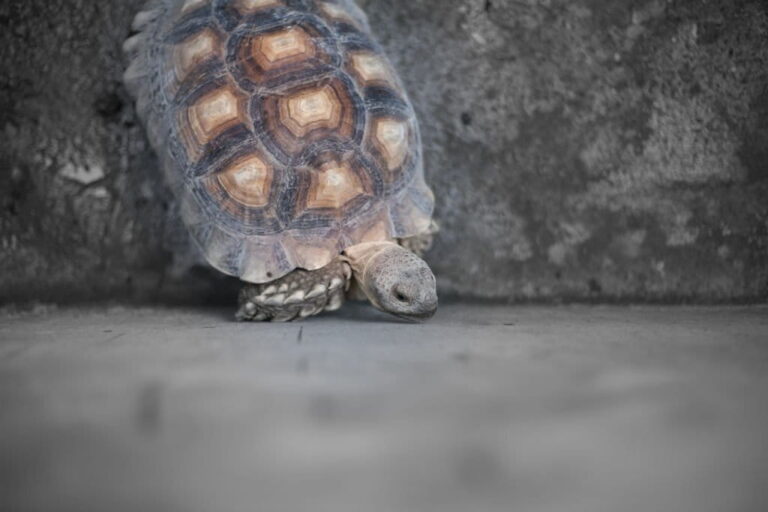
281, 45
333, 186
248, 181
310, 108
195, 50
391, 137
371, 69
211, 113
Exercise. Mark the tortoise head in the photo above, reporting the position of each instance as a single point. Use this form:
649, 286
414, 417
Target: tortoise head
394, 279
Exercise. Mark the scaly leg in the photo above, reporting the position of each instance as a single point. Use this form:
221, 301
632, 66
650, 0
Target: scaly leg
420, 244
300, 294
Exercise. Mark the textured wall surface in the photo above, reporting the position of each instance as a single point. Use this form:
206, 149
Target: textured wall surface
579, 149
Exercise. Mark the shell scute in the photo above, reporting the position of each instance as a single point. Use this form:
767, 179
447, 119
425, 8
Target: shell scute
244, 190
334, 186
187, 18
244, 183
371, 70
211, 115
272, 57
290, 121
263, 259
198, 48
344, 15
412, 212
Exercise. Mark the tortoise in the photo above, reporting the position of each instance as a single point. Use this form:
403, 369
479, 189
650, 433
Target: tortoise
293, 150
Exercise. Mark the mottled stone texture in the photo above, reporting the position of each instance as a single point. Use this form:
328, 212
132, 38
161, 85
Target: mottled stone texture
579, 149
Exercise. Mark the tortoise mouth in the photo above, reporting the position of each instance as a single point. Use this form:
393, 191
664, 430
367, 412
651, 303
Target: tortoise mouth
417, 317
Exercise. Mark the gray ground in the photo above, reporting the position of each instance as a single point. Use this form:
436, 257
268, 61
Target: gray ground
485, 408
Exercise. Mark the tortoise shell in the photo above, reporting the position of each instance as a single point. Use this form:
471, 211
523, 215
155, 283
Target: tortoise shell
281, 126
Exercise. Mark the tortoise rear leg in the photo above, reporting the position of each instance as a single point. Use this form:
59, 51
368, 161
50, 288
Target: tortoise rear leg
298, 295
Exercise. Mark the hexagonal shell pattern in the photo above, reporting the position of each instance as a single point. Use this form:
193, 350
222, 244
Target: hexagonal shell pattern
295, 118
290, 137
247, 181
194, 51
371, 69
274, 57
206, 117
331, 183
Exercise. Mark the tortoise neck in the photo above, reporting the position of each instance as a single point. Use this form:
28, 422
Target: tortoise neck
361, 258
361, 255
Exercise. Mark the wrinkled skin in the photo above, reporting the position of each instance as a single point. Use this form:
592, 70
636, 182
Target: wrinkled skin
395, 280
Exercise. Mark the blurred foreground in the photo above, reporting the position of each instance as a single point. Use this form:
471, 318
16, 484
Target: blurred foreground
483, 409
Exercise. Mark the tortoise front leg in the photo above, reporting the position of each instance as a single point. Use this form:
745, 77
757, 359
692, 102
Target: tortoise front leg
300, 294
420, 244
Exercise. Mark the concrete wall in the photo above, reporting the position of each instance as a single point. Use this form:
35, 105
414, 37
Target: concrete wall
579, 149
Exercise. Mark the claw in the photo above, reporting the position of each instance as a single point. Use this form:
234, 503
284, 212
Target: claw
308, 311
317, 291
336, 302
275, 300
295, 298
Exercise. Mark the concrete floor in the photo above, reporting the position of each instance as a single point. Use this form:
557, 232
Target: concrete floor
482, 409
